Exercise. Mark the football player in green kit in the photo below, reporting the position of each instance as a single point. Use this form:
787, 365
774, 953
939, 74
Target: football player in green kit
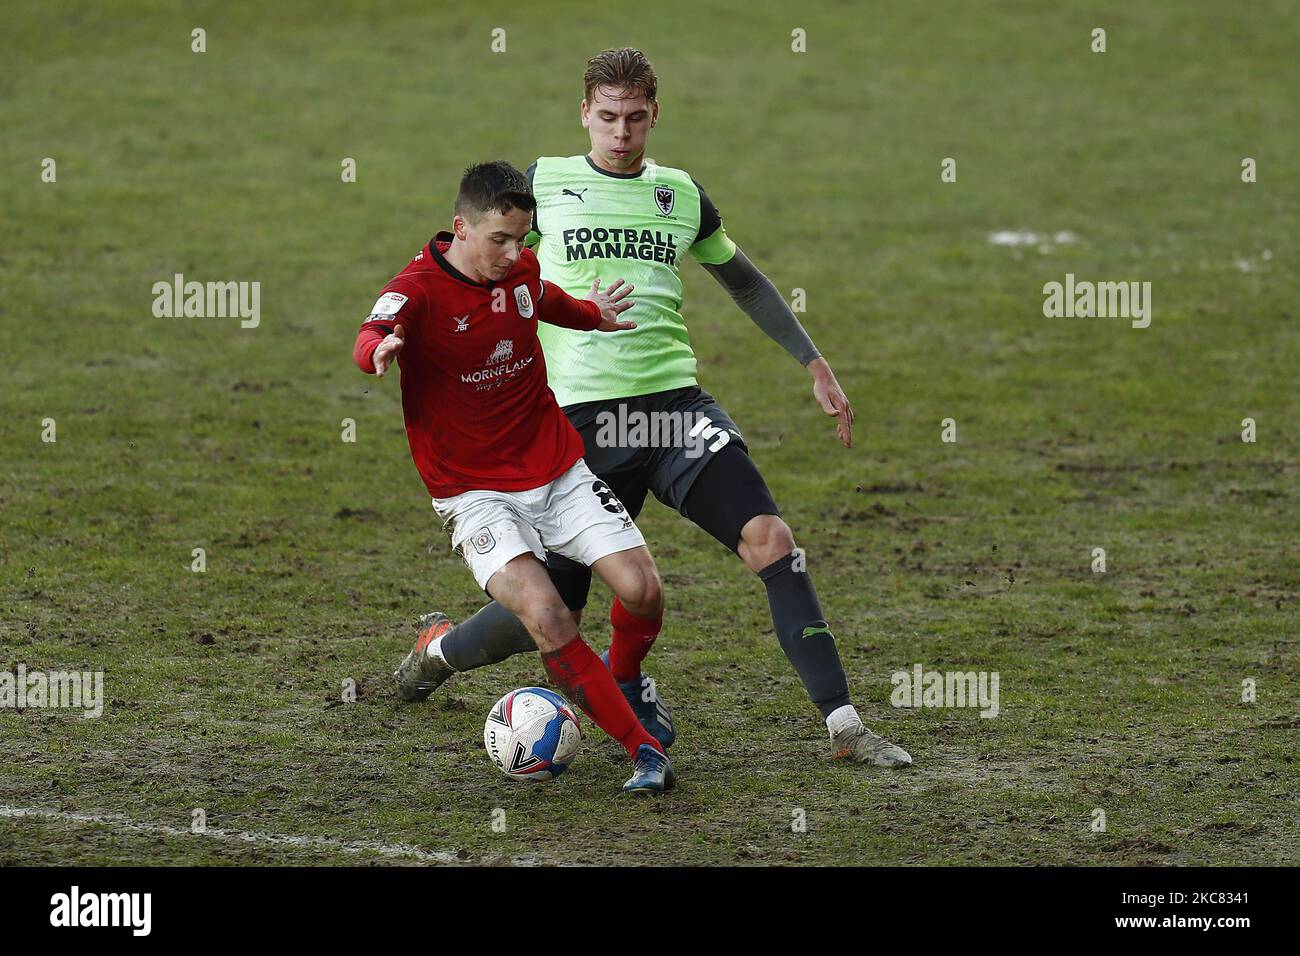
608, 214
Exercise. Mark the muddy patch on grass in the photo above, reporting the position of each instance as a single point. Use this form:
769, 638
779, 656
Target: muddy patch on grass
947, 764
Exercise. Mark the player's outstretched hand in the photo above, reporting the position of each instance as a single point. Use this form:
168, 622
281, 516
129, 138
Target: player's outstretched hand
612, 304
387, 350
832, 399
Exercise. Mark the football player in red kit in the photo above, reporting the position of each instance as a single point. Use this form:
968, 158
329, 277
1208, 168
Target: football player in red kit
502, 462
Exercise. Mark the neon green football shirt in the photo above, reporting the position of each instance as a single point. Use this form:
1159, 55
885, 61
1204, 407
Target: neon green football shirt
592, 224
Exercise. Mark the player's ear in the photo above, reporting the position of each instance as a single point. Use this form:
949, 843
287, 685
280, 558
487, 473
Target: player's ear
458, 227
654, 114
585, 112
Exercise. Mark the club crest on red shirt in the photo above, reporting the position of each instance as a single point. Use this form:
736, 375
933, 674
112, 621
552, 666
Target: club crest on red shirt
524, 301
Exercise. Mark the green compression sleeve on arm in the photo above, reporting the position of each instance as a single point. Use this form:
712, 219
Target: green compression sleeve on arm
759, 299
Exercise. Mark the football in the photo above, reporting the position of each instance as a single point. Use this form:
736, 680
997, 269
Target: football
532, 734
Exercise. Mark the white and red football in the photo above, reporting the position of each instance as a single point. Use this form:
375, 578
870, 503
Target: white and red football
532, 734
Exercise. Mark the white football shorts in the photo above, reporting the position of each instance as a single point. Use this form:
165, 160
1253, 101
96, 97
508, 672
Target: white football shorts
576, 515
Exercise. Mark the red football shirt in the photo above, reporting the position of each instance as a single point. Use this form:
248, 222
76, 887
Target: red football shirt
479, 414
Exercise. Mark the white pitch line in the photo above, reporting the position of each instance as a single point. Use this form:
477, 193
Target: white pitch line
245, 836
1022, 237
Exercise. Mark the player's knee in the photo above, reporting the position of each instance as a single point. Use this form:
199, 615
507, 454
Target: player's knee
643, 594
550, 623
652, 597
766, 539
545, 615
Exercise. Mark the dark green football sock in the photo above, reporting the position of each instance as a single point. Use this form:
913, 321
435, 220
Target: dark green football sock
804, 634
488, 636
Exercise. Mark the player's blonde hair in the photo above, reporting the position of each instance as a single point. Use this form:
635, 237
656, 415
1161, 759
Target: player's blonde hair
625, 69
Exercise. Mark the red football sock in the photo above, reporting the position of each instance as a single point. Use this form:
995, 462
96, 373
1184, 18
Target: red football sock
582, 676
633, 638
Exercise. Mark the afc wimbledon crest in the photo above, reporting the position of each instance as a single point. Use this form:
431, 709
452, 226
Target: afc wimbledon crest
664, 197
524, 301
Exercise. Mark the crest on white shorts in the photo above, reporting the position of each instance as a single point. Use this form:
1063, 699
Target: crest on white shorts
483, 541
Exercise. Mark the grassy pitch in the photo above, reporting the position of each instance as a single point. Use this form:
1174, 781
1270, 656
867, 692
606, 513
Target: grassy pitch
1120, 692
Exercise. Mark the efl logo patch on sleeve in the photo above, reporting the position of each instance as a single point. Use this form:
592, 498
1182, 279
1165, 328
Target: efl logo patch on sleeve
388, 304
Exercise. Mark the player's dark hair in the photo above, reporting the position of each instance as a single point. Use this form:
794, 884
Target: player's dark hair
626, 70
493, 187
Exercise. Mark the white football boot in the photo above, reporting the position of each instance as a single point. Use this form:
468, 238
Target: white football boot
855, 742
